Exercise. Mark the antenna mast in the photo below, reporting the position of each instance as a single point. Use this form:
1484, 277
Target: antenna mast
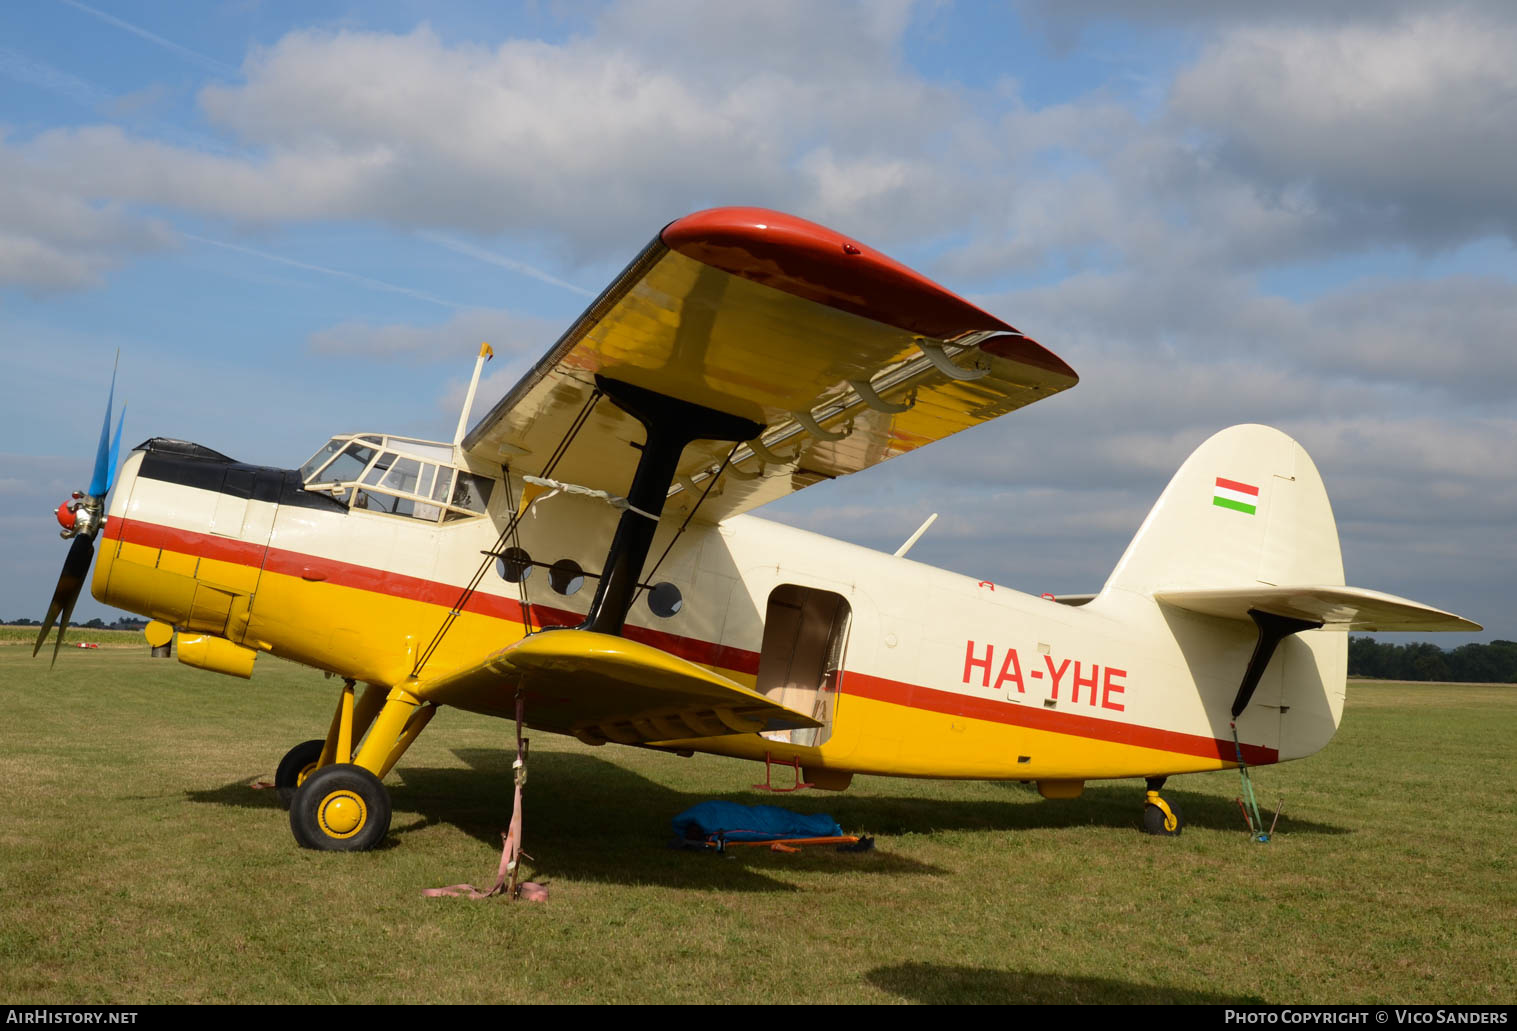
485, 354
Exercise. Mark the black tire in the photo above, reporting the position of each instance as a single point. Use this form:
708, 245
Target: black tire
340, 808
298, 764
1153, 820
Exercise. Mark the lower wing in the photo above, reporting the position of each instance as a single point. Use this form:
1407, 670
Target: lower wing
602, 688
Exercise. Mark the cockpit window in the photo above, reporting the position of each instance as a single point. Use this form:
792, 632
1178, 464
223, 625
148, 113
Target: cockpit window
319, 459
412, 478
347, 465
381, 467
403, 476
471, 492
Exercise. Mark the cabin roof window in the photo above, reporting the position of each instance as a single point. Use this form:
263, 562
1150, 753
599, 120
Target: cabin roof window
398, 476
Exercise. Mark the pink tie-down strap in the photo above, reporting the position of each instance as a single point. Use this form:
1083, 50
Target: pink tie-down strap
510, 853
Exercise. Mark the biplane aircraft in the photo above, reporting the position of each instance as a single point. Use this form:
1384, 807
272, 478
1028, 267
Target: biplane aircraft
743, 355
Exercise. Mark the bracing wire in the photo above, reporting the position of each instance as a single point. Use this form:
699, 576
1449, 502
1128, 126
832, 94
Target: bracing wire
505, 534
647, 580
521, 585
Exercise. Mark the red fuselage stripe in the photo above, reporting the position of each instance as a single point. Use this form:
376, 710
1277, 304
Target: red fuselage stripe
205, 545
379, 581
399, 585
1035, 717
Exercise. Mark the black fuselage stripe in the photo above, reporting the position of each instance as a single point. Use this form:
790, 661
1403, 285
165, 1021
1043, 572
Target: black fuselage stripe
236, 479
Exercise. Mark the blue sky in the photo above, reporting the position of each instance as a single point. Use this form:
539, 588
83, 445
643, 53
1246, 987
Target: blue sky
300, 219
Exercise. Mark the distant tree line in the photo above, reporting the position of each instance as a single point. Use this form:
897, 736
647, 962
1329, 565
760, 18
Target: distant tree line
1494, 663
124, 623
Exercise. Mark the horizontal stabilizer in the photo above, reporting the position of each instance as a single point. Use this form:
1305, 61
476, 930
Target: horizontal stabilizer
1337, 608
601, 688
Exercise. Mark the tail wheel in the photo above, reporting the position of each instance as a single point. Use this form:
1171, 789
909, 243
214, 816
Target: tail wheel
340, 808
298, 764
1155, 820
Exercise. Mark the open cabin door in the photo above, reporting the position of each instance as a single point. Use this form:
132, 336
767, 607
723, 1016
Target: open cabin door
805, 636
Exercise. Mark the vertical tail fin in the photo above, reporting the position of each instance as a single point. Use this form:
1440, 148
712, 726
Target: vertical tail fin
1243, 528
1246, 511
1248, 506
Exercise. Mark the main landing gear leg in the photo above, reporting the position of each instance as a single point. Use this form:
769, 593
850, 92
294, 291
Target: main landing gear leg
348, 725
1159, 817
341, 805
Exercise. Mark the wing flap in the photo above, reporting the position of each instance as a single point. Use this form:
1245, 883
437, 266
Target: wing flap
1337, 608
603, 688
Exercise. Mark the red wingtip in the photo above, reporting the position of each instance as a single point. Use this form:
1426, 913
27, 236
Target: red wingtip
819, 264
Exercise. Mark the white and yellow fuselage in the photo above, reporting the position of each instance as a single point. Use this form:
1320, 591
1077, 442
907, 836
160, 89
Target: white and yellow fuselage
926, 673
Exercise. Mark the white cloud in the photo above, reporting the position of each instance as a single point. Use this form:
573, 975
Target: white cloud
1449, 337
52, 239
589, 144
1407, 125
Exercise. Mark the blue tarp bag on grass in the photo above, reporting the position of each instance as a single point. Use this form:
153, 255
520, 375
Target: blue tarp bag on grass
717, 822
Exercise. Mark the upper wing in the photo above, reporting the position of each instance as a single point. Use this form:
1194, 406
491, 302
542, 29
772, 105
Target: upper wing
846, 357
1336, 608
602, 688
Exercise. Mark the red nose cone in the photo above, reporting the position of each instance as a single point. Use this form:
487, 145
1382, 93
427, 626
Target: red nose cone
65, 516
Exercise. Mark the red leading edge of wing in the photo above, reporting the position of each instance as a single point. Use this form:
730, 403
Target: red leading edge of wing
818, 264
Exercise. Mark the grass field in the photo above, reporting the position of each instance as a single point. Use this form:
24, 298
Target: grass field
27, 635
137, 865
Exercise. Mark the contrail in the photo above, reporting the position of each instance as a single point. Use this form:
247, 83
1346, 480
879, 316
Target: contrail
194, 56
364, 281
33, 72
492, 258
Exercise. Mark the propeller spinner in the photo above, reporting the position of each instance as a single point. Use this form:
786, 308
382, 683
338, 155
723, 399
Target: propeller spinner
81, 519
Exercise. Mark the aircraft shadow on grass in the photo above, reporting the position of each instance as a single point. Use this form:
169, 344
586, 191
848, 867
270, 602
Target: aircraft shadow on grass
1121, 805
589, 820
935, 983
601, 822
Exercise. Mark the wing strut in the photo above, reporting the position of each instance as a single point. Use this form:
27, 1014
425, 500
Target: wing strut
1272, 630
671, 424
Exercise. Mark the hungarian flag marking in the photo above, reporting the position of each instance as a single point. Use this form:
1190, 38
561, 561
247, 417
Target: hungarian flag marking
1240, 497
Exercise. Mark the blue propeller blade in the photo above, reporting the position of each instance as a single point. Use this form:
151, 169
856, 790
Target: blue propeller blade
100, 482
115, 449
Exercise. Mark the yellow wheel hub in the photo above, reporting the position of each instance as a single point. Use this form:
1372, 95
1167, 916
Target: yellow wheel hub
342, 814
305, 771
